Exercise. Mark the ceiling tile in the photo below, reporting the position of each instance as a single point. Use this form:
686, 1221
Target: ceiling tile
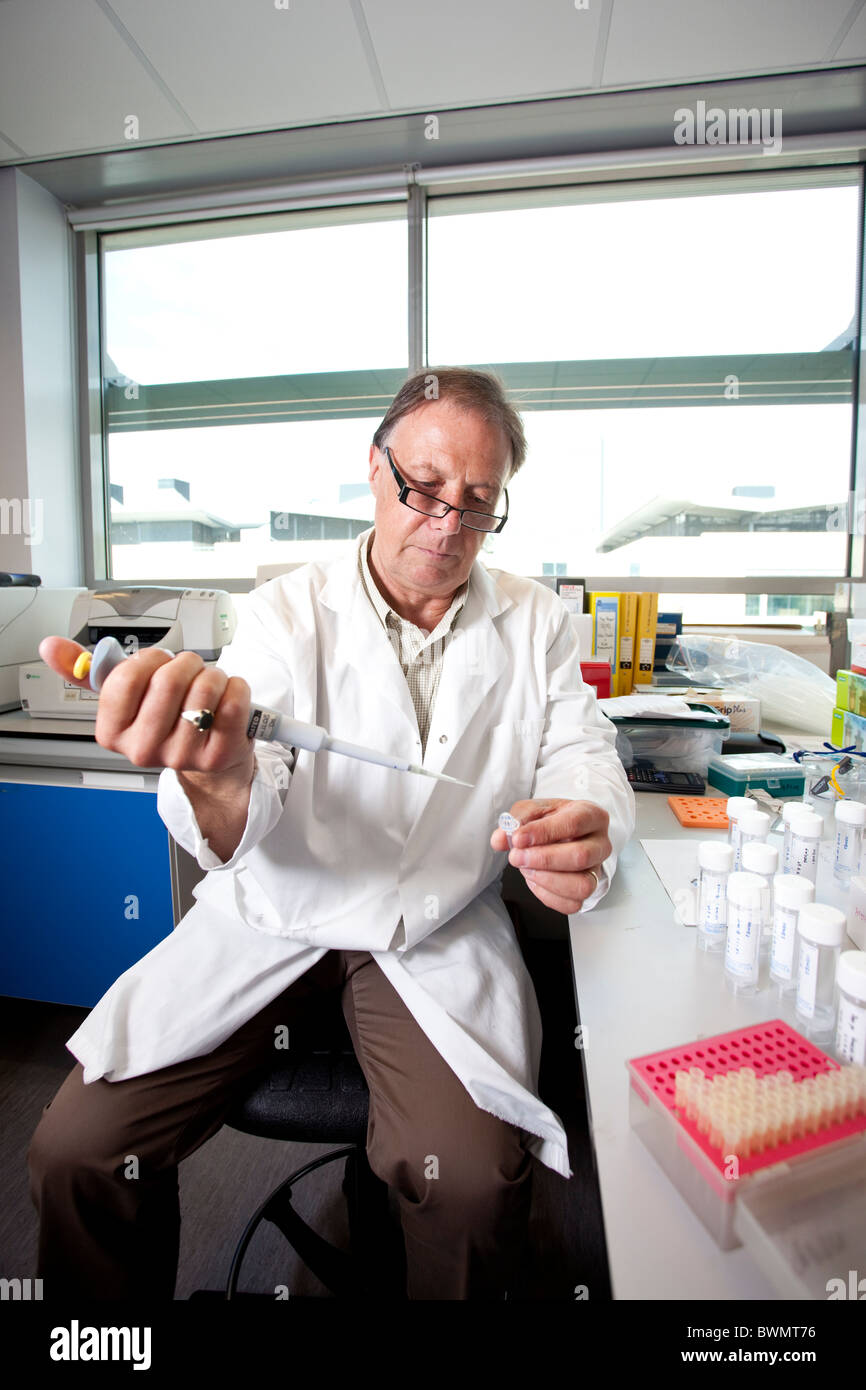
854, 43
239, 66
8, 155
684, 39
452, 52
68, 80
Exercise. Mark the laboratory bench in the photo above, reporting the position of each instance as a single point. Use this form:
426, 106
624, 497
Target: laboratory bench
91, 878
641, 986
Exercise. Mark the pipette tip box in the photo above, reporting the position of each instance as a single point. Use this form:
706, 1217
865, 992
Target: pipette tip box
701, 1172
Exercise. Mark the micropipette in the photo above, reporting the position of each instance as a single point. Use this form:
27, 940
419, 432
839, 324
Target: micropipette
264, 723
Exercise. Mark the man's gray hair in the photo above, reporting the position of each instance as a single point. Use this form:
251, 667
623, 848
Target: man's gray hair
481, 391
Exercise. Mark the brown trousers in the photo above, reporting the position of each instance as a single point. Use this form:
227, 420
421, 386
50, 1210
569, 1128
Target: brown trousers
106, 1235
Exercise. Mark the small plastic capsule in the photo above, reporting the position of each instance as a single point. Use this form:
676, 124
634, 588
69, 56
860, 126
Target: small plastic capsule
510, 824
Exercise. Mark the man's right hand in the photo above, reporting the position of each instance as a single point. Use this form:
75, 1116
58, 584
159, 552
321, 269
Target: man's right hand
139, 711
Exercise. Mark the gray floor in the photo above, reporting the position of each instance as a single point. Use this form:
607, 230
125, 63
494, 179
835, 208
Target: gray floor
229, 1176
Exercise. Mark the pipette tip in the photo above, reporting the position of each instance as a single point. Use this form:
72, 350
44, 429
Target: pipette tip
440, 776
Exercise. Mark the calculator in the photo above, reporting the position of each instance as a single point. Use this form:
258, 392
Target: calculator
652, 779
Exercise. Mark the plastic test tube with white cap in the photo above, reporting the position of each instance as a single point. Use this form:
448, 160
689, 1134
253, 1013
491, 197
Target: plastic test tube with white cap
790, 893
790, 810
743, 937
734, 808
821, 932
850, 819
806, 832
754, 827
851, 1021
857, 911
715, 860
760, 858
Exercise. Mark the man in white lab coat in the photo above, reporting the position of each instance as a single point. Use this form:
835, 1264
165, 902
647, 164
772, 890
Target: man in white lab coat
331, 872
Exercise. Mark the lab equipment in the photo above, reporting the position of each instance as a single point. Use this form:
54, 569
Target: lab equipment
851, 691
194, 620
806, 832
789, 811
264, 723
509, 824
857, 911
850, 820
831, 775
831, 779
754, 827
793, 691
743, 711
716, 862
715, 1181
669, 742
700, 812
762, 859
790, 893
857, 638
736, 807
27, 614
653, 779
746, 899
736, 773
851, 1019
745, 1114
820, 932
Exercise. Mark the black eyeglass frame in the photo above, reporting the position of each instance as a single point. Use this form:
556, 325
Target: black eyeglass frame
405, 488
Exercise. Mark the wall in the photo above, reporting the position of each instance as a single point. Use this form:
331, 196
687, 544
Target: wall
40, 508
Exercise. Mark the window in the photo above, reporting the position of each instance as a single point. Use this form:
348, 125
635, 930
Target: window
683, 352
243, 361
682, 355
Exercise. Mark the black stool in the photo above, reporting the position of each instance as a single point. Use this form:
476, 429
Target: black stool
317, 1094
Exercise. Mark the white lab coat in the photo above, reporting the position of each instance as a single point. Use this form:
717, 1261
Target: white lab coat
336, 853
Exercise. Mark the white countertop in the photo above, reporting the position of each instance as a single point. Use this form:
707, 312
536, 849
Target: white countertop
642, 985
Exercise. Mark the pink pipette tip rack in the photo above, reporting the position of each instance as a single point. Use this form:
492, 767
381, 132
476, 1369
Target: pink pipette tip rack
764, 1050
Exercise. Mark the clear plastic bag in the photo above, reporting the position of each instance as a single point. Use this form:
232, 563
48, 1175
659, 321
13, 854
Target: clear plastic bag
792, 691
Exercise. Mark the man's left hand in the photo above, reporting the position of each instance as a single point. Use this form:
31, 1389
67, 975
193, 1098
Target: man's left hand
557, 844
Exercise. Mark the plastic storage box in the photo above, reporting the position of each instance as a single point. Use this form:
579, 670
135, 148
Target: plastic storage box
701, 1173
805, 1229
857, 638
776, 773
671, 744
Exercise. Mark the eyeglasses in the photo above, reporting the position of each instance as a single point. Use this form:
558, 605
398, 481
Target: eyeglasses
435, 506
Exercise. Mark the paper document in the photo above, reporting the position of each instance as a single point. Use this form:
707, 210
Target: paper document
676, 863
650, 707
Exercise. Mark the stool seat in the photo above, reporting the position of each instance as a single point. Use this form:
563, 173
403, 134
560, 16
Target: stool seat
319, 1096
316, 1093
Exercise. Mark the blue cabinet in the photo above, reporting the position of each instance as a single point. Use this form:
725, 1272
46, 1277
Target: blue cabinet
85, 888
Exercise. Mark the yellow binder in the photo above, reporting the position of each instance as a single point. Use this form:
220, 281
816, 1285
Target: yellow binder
627, 643
647, 617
